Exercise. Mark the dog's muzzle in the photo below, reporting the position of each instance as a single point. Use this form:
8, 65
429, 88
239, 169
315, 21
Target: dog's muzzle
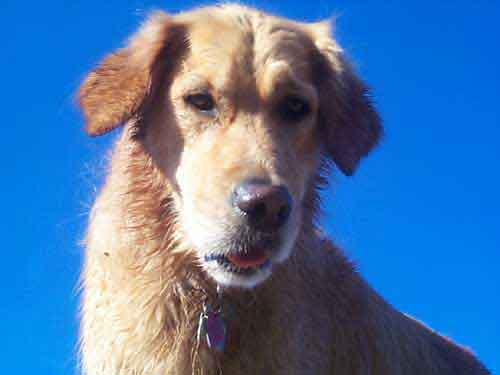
249, 251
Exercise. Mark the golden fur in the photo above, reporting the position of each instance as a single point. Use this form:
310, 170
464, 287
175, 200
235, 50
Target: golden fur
165, 201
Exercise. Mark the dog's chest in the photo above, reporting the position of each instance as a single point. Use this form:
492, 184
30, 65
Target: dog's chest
271, 339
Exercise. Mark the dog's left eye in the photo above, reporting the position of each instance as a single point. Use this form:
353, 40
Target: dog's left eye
203, 102
294, 108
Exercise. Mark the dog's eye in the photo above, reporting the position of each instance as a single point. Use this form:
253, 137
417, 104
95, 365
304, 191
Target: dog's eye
203, 102
294, 108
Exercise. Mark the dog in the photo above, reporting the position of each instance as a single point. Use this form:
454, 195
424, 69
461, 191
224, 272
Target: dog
203, 251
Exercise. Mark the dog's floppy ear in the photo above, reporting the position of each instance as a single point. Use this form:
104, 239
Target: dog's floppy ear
349, 123
119, 87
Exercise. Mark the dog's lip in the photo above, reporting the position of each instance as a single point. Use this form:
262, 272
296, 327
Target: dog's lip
252, 259
249, 261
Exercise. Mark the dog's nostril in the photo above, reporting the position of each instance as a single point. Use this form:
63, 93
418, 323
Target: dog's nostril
259, 210
266, 206
283, 213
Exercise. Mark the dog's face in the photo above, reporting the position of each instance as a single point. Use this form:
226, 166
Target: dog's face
246, 113
238, 121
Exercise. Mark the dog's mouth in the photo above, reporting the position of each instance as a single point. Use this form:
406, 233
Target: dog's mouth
243, 263
244, 259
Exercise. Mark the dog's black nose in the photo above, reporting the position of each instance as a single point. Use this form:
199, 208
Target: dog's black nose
266, 206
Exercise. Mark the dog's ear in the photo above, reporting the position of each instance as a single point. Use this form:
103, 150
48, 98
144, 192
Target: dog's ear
122, 84
349, 123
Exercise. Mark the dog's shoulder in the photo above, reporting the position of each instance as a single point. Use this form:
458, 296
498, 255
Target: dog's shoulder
448, 356
404, 345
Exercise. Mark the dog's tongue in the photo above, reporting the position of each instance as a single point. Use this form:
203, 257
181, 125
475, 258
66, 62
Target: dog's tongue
254, 258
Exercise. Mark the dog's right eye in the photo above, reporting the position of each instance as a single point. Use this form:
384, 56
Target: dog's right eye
202, 102
293, 108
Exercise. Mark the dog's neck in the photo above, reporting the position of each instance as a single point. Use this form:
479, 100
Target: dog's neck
245, 311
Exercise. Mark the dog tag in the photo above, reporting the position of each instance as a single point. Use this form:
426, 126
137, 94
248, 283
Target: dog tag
215, 331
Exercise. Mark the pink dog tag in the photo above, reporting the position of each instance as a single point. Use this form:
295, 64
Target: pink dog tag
215, 331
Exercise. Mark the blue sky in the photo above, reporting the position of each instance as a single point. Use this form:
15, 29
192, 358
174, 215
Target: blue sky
421, 217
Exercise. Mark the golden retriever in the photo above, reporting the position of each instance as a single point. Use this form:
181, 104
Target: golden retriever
203, 254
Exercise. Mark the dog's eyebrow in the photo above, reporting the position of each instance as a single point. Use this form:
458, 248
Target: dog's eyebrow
279, 79
193, 82
193, 78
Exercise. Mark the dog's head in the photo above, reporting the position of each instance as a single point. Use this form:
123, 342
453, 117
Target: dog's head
238, 109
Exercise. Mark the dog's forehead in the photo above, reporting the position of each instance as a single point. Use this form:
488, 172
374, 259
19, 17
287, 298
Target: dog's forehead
232, 48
